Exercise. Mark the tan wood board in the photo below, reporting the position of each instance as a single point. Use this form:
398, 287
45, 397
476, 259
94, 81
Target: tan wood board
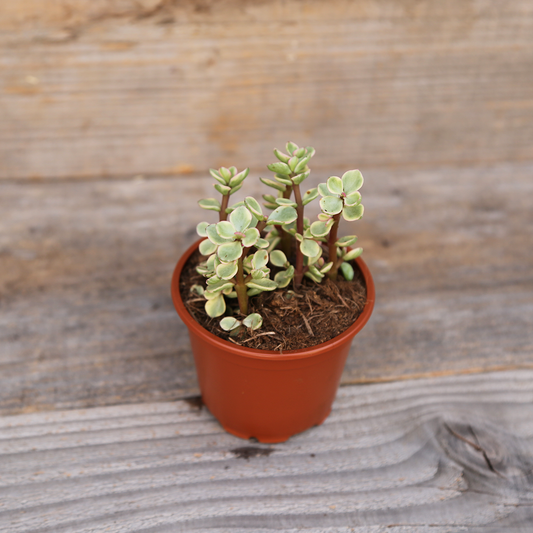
124, 87
445, 455
86, 317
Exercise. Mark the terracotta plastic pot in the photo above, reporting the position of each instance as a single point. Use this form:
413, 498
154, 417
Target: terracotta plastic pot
265, 394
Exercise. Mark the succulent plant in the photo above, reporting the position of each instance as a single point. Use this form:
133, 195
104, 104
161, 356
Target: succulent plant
244, 242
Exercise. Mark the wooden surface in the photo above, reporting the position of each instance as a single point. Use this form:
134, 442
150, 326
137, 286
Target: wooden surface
86, 317
92, 88
444, 455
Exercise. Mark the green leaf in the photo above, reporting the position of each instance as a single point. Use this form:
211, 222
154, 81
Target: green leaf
241, 218
259, 274
286, 201
334, 185
316, 278
323, 189
213, 235
259, 259
321, 228
283, 179
261, 243
212, 262
353, 212
300, 177
222, 189
353, 199
197, 289
239, 178
284, 277
251, 236
309, 248
284, 158
331, 205
280, 168
352, 181
216, 287
228, 323
347, 271
293, 161
346, 241
216, 306
273, 184
278, 258
253, 292
309, 196
227, 270
200, 229
302, 164
235, 189
300, 152
210, 204
352, 254
226, 230
284, 214
229, 252
271, 206
253, 205
269, 198
310, 151
314, 270
253, 321
323, 217
217, 176
225, 173
264, 284
326, 268
207, 247
291, 147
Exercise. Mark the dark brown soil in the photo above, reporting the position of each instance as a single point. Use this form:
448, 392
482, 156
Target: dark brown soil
315, 314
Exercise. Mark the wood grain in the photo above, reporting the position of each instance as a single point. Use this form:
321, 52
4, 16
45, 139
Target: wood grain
86, 317
124, 87
425, 456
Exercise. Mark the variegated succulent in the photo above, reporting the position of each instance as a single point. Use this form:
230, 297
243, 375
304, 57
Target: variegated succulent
244, 242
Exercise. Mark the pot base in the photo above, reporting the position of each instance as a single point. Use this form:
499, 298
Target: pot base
268, 439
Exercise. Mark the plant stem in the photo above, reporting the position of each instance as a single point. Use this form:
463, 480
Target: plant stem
286, 238
332, 274
241, 289
299, 267
223, 206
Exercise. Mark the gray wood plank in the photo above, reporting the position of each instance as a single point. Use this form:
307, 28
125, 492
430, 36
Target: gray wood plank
86, 317
123, 87
450, 454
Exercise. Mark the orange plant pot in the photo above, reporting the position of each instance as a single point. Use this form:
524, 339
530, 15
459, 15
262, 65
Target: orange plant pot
262, 393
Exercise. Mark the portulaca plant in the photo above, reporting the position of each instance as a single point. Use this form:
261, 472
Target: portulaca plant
245, 242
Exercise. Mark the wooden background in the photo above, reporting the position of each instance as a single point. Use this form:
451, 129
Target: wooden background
432, 100
110, 113
103, 88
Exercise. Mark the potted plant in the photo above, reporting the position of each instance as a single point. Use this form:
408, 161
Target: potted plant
243, 275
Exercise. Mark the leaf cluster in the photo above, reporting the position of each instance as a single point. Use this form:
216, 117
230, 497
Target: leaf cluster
245, 244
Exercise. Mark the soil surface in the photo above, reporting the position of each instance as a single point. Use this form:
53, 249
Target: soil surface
312, 315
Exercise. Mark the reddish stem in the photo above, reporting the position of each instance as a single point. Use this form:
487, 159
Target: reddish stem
223, 206
332, 239
299, 267
241, 289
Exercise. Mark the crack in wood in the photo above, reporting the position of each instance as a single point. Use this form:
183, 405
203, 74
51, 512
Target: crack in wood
476, 447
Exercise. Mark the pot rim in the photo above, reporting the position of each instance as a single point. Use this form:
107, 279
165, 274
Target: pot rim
271, 355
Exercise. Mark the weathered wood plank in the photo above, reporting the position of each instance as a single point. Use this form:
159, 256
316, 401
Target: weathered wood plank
122, 87
438, 455
86, 317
